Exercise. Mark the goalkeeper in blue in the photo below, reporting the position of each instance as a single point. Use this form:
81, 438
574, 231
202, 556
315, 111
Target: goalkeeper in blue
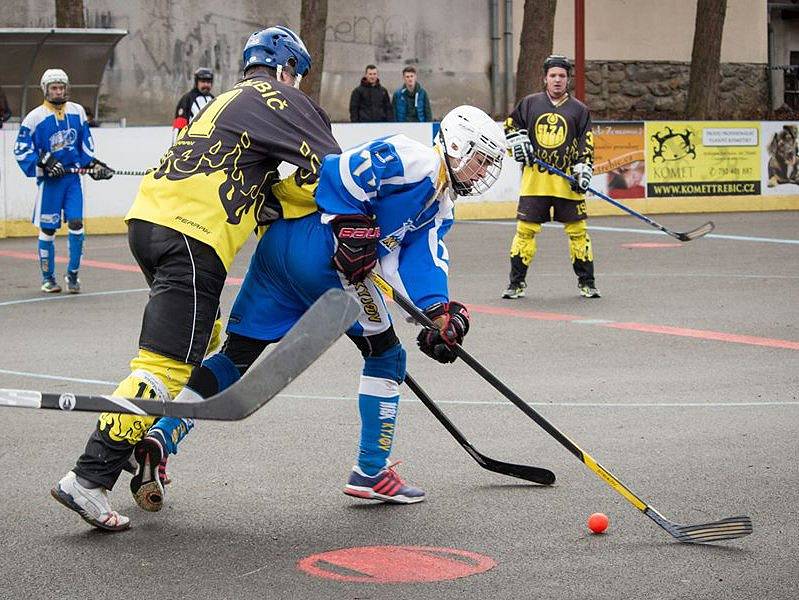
384, 205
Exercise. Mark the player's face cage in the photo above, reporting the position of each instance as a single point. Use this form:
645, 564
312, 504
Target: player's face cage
479, 167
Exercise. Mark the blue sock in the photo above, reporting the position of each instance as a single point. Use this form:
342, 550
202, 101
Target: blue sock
47, 255
171, 429
75, 249
378, 411
378, 399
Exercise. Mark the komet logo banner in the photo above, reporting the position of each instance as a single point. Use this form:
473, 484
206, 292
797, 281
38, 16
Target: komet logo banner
702, 158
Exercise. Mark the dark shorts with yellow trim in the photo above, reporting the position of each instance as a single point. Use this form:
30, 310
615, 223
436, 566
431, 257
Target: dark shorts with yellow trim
186, 278
542, 209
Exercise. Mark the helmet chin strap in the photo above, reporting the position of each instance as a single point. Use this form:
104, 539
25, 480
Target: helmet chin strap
451, 179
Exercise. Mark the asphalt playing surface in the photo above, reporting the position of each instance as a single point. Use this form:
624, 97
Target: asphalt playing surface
682, 380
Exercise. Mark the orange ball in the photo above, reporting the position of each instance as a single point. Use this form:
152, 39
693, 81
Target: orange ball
598, 522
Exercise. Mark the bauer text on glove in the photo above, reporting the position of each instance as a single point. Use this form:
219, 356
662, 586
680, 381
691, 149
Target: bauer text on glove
356, 250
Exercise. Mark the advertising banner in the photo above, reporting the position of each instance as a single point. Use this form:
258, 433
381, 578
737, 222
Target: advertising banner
702, 158
619, 159
779, 166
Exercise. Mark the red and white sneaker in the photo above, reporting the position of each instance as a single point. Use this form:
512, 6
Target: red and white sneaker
386, 486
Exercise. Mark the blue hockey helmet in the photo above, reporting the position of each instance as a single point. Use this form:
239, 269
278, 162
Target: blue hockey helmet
277, 47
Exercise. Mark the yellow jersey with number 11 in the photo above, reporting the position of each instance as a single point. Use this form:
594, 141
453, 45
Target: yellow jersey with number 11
211, 183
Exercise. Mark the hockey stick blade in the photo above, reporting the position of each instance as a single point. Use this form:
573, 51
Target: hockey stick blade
726, 529
534, 474
694, 233
321, 325
683, 237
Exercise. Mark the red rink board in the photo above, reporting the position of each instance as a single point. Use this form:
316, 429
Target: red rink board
395, 564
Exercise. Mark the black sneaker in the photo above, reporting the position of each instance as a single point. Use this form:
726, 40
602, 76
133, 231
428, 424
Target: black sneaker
146, 485
49, 286
515, 290
73, 283
588, 290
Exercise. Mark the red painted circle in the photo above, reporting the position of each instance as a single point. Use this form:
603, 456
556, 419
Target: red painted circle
395, 564
652, 245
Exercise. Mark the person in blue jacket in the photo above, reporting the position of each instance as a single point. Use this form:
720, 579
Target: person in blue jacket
386, 204
411, 103
53, 141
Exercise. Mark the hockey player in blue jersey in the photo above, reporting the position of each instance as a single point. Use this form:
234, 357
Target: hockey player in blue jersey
54, 138
386, 204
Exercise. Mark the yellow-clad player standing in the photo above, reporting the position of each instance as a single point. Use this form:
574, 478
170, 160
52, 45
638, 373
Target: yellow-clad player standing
560, 134
214, 186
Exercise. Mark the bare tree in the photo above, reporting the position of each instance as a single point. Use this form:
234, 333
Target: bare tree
313, 21
703, 86
69, 13
538, 30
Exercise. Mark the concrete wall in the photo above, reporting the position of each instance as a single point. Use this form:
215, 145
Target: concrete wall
448, 42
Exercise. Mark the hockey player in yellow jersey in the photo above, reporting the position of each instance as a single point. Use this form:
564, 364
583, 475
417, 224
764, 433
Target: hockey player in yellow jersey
555, 128
214, 186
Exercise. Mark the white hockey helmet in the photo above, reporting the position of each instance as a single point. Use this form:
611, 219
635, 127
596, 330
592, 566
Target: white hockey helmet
53, 76
476, 145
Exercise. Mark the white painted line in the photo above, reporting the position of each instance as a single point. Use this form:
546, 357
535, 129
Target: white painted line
592, 321
57, 377
591, 227
66, 296
461, 402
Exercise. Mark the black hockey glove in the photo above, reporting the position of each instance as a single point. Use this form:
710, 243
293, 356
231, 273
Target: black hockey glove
356, 250
51, 166
520, 146
99, 170
269, 210
452, 321
582, 174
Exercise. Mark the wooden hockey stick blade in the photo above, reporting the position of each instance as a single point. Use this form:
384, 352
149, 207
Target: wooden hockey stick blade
694, 233
538, 475
321, 325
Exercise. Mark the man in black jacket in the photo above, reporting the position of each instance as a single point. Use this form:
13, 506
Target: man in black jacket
369, 102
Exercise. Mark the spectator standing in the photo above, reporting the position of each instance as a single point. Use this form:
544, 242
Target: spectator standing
370, 102
411, 103
192, 101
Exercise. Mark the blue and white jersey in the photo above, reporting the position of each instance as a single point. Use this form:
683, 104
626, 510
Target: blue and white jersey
65, 133
404, 184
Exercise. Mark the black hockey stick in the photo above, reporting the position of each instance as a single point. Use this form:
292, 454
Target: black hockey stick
321, 325
85, 171
726, 529
534, 474
682, 236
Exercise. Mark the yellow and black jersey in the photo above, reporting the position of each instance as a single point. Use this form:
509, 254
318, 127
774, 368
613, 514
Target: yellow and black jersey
212, 181
561, 136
